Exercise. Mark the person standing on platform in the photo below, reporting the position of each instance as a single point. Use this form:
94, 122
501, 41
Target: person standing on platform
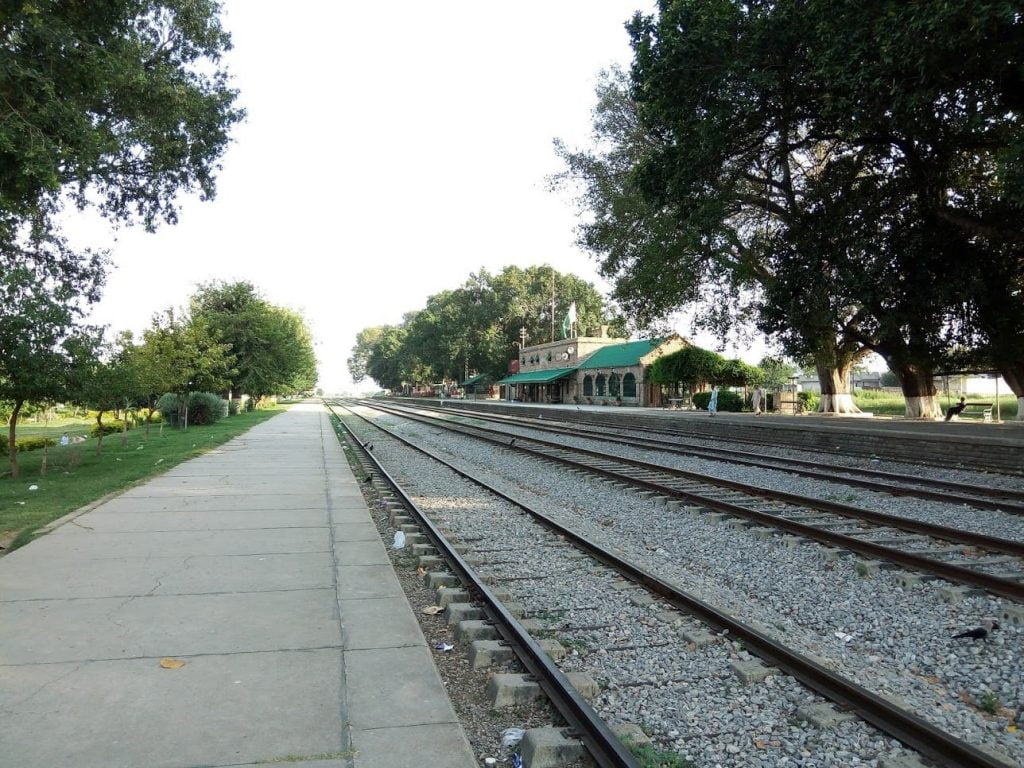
713, 402
757, 401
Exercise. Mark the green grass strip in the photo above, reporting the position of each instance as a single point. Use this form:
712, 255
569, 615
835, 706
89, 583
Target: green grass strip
76, 476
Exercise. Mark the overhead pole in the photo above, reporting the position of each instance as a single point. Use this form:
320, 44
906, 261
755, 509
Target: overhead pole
552, 304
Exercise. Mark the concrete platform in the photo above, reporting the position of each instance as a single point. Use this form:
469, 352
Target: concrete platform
259, 566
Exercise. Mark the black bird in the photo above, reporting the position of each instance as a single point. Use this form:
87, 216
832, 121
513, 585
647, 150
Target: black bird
368, 479
511, 442
369, 446
979, 633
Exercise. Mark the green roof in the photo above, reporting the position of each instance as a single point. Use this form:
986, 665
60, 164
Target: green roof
621, 355
537, 377
473, 380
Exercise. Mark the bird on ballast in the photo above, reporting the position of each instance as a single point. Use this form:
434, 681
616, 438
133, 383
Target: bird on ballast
979, 633
368, 479
511, 443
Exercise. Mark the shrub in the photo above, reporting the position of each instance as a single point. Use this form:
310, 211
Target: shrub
30, 443
168, 407
111, 427
206, 408
727, 401
809, 400
234, 406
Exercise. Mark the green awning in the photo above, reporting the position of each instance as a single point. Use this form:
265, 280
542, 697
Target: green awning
472, 380
537, 377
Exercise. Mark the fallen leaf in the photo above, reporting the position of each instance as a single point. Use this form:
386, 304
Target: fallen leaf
432, 610
1011, 728
172, 663
760, 743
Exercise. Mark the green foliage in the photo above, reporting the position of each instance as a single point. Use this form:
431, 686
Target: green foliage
989, 702
474, 327
809, 401
736, 373
183, 354
727, 401
167, 406
689, 367
117, 104
271, 346
30, 443
889, 379
849, 159
775, 373
111, 427
649, 756
206, 408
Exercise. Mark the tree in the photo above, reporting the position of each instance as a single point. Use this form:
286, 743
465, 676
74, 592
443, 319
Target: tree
473, 327
119, 104
271, 345
778, 140
183, 355
694, 177
941, 88
689, 367
45, 288
366, 340
775, 373
103, 382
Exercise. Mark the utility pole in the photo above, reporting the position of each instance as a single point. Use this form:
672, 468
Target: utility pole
552, 304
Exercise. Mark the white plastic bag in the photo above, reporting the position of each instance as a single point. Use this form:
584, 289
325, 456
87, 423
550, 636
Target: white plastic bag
510, 737
399, 542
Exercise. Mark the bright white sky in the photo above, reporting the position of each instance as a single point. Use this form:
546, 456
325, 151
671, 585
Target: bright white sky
390, 150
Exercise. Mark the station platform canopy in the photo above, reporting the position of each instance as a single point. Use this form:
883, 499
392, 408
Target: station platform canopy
473, 380
537, 377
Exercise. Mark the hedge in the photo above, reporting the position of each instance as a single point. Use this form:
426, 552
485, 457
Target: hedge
727, 401
30, 443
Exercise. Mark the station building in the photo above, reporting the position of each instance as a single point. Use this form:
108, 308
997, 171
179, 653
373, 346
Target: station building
595, 370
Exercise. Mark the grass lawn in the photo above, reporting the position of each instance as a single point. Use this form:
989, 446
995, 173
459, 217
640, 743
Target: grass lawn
76, 476
892, 404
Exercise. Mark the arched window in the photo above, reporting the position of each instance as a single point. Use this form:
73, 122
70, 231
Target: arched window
601, 385
613, 384
629, 385
588, 386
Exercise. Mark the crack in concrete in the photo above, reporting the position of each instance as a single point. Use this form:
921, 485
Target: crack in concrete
14, 705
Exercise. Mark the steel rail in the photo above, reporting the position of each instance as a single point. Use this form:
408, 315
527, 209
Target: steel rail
907, 728
998, 499
784, 437
1011, 590
604, 747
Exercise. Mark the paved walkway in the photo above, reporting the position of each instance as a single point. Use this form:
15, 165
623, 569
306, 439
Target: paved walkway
258, 566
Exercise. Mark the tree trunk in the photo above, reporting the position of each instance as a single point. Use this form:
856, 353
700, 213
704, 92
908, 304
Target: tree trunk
99, 432
12, 452
919, 391
1013, 375
835, 390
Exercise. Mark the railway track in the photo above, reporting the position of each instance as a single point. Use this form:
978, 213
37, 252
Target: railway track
917, 546
922, 445
909, 729
978, 496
